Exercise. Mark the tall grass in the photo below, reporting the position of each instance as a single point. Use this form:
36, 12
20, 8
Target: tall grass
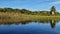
7, 17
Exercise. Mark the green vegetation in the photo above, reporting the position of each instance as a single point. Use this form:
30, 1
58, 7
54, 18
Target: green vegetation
18, 15
24, 11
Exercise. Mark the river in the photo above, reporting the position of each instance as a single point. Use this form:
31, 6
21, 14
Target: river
31, 27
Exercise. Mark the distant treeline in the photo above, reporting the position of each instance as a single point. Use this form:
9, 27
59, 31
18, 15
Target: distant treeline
25, 11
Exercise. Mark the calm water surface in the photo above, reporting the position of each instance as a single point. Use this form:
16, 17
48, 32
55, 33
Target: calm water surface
33, 27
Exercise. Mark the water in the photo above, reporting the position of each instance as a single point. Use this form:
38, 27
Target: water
32, 27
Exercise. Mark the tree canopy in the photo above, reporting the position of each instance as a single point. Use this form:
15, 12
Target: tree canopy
25, 11
53, 10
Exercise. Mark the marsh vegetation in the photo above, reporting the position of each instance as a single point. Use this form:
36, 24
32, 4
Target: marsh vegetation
8, 15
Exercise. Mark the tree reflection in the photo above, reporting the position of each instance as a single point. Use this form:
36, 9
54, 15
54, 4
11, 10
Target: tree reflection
21, 22
52, 23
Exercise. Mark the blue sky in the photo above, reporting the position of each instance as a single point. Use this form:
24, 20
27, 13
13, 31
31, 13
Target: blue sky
30, 4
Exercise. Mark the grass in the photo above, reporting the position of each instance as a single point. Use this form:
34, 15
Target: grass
11, 17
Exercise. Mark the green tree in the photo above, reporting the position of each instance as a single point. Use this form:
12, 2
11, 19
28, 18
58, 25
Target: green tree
1, 10
53, 10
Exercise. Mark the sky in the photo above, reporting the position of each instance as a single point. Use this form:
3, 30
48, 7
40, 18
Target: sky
30, 4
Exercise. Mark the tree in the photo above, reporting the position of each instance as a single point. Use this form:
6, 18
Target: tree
53, 10
1, 10
8, 10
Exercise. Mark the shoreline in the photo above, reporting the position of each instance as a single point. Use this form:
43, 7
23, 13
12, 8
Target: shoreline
18, 17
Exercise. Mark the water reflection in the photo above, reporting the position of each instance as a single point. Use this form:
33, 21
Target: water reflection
52, 22
31, 27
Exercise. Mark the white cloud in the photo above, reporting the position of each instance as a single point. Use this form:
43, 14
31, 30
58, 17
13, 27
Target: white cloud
54, 3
